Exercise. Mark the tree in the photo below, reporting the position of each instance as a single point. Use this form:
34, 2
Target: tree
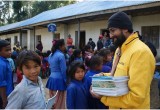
15, 11
19, 10
41, 6
6, 13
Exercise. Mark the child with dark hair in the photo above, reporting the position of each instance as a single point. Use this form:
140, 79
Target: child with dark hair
76, 91
87, 54
29, 93
44, 65
57, 78
14, 53
106, 54
77, 55
6, 77
96, 64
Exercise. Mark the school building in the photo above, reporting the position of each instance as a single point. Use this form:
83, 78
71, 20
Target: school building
84, 20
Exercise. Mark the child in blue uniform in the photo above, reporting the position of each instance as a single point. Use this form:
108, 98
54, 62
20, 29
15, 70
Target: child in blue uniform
77, 55
57, 78
96, 64
6, 77
76, 91
106, 54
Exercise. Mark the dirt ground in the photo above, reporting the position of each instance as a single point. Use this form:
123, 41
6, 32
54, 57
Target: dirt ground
155, 99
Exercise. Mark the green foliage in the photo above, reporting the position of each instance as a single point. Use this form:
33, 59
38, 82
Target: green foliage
15, 11
41, 6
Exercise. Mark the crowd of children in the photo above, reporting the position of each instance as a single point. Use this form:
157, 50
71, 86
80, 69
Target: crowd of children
17, 67
69, 73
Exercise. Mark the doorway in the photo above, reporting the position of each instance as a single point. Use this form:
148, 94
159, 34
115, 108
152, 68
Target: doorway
81, 41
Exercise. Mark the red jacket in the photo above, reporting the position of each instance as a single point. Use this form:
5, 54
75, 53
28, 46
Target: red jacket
69, 41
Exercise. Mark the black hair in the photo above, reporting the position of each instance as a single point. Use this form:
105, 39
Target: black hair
48, 53
87, 47
25, 47
152, 48
73, 68
14, 48
13, 57
103, 52
57, 44
3, 43
95, 61
74, 55
90, 38
25, 56
87, 61
44, 54
69, 35
112, 48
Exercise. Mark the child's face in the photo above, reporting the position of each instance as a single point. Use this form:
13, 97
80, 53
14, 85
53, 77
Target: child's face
90, 50
31, 70
79, 75
6, 51
107, 58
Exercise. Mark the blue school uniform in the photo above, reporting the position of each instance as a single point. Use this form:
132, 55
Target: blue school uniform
93, 103
79, 59
76, 95
106, 69
57, 78
6, 78
109, 64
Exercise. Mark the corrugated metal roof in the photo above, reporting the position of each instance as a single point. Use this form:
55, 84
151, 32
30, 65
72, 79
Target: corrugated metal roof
73, 10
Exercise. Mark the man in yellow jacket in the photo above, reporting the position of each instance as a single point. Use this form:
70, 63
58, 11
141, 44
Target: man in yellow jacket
136, 61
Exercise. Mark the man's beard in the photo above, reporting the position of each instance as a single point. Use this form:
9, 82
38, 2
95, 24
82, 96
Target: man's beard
119, 40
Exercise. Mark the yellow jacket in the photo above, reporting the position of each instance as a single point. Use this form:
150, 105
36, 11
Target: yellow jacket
138, 63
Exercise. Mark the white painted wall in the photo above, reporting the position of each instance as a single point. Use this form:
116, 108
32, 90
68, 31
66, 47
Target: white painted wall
10, 36
46, 38
24, 39
30, 39
92, 29
149, 20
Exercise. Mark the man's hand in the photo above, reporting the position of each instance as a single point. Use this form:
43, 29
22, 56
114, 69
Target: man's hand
94, 94
100, 74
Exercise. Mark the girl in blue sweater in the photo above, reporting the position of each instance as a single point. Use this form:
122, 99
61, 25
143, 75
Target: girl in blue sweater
76, 92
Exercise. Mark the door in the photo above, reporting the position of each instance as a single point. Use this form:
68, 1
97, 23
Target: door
80, 43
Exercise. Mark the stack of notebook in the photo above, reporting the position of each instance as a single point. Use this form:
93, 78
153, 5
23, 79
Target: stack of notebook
110, 86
